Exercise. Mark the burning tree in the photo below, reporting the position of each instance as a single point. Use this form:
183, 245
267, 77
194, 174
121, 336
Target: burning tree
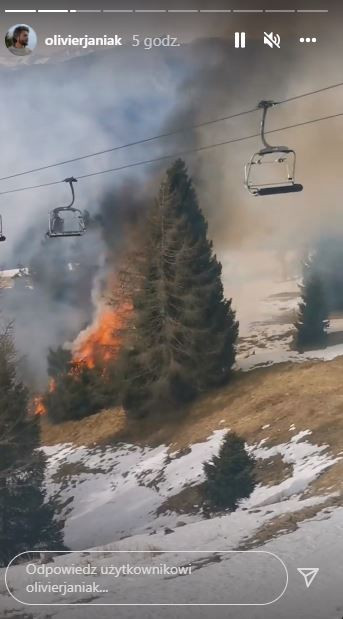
26, 519
86, 378
184, 330
312, 319
79, 391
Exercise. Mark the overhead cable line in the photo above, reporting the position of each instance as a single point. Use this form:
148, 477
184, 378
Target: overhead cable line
135, 143
309, 93
167, 134
177, 154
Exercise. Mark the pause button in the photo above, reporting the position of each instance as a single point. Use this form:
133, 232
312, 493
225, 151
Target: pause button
239, 39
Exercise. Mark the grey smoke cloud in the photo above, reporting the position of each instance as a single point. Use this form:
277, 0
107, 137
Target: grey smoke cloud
227, 83
56, 110
53, 112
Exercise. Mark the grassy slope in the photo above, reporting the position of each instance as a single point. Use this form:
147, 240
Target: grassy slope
288, 398
309, 395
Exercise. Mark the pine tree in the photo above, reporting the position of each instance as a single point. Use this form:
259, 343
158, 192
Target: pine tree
26, 519
328, 260
184, 330
230, 475
312, 319
81, 391
59, 361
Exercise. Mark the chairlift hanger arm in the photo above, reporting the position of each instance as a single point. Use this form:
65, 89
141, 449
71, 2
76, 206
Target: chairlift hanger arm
71, 180
264, 106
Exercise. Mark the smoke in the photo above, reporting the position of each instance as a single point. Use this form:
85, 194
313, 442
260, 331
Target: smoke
258, 239
224, 82
56, 111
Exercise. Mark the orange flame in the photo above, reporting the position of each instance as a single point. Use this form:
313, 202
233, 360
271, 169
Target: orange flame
38, 405
38, 402
102, 340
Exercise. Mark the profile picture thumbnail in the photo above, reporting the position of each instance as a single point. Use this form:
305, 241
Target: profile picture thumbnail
21, 40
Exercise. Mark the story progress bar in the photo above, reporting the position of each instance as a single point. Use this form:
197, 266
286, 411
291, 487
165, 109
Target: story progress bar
246, 11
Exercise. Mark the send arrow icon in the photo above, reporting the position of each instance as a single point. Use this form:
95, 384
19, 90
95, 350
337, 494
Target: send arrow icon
309, 574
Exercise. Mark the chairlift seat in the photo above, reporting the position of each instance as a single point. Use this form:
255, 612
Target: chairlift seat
54, 235
271, 191
283, 185
58, 226
279, 159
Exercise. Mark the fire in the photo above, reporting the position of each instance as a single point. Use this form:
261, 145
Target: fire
38, 405
102, 340
38, 402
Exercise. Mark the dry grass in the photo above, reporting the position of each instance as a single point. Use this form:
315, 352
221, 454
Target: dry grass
188, 501
95, 430
288, 523
308, 395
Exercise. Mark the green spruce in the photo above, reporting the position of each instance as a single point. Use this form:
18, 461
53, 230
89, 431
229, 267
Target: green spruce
230, 475
78, 390
184, 330
312, 318
26, 518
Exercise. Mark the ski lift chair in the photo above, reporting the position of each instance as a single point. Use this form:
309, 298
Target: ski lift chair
2, 237
65, 221
278, 158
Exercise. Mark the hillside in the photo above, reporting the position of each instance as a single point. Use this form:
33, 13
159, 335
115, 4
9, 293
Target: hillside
271, 407
141, 486
306, 396
132, 486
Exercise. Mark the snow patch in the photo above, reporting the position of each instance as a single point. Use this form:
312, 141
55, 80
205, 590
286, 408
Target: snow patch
121, 487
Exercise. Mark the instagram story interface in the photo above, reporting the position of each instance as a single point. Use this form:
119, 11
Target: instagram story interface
171, 310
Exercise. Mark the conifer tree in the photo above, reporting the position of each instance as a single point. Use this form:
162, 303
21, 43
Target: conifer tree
59, 362
312, 318
81, 391
230, 475
26, 519
184, 330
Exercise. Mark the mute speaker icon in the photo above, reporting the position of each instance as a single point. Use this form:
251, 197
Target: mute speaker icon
271, 39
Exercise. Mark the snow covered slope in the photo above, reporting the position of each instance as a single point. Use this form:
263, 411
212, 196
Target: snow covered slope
266, 326
112, 499
122, 487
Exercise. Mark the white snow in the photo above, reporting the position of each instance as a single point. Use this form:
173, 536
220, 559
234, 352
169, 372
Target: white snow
297, 549
307, 460
224, 532
266, 311
122, 487
112, 495
10, 273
